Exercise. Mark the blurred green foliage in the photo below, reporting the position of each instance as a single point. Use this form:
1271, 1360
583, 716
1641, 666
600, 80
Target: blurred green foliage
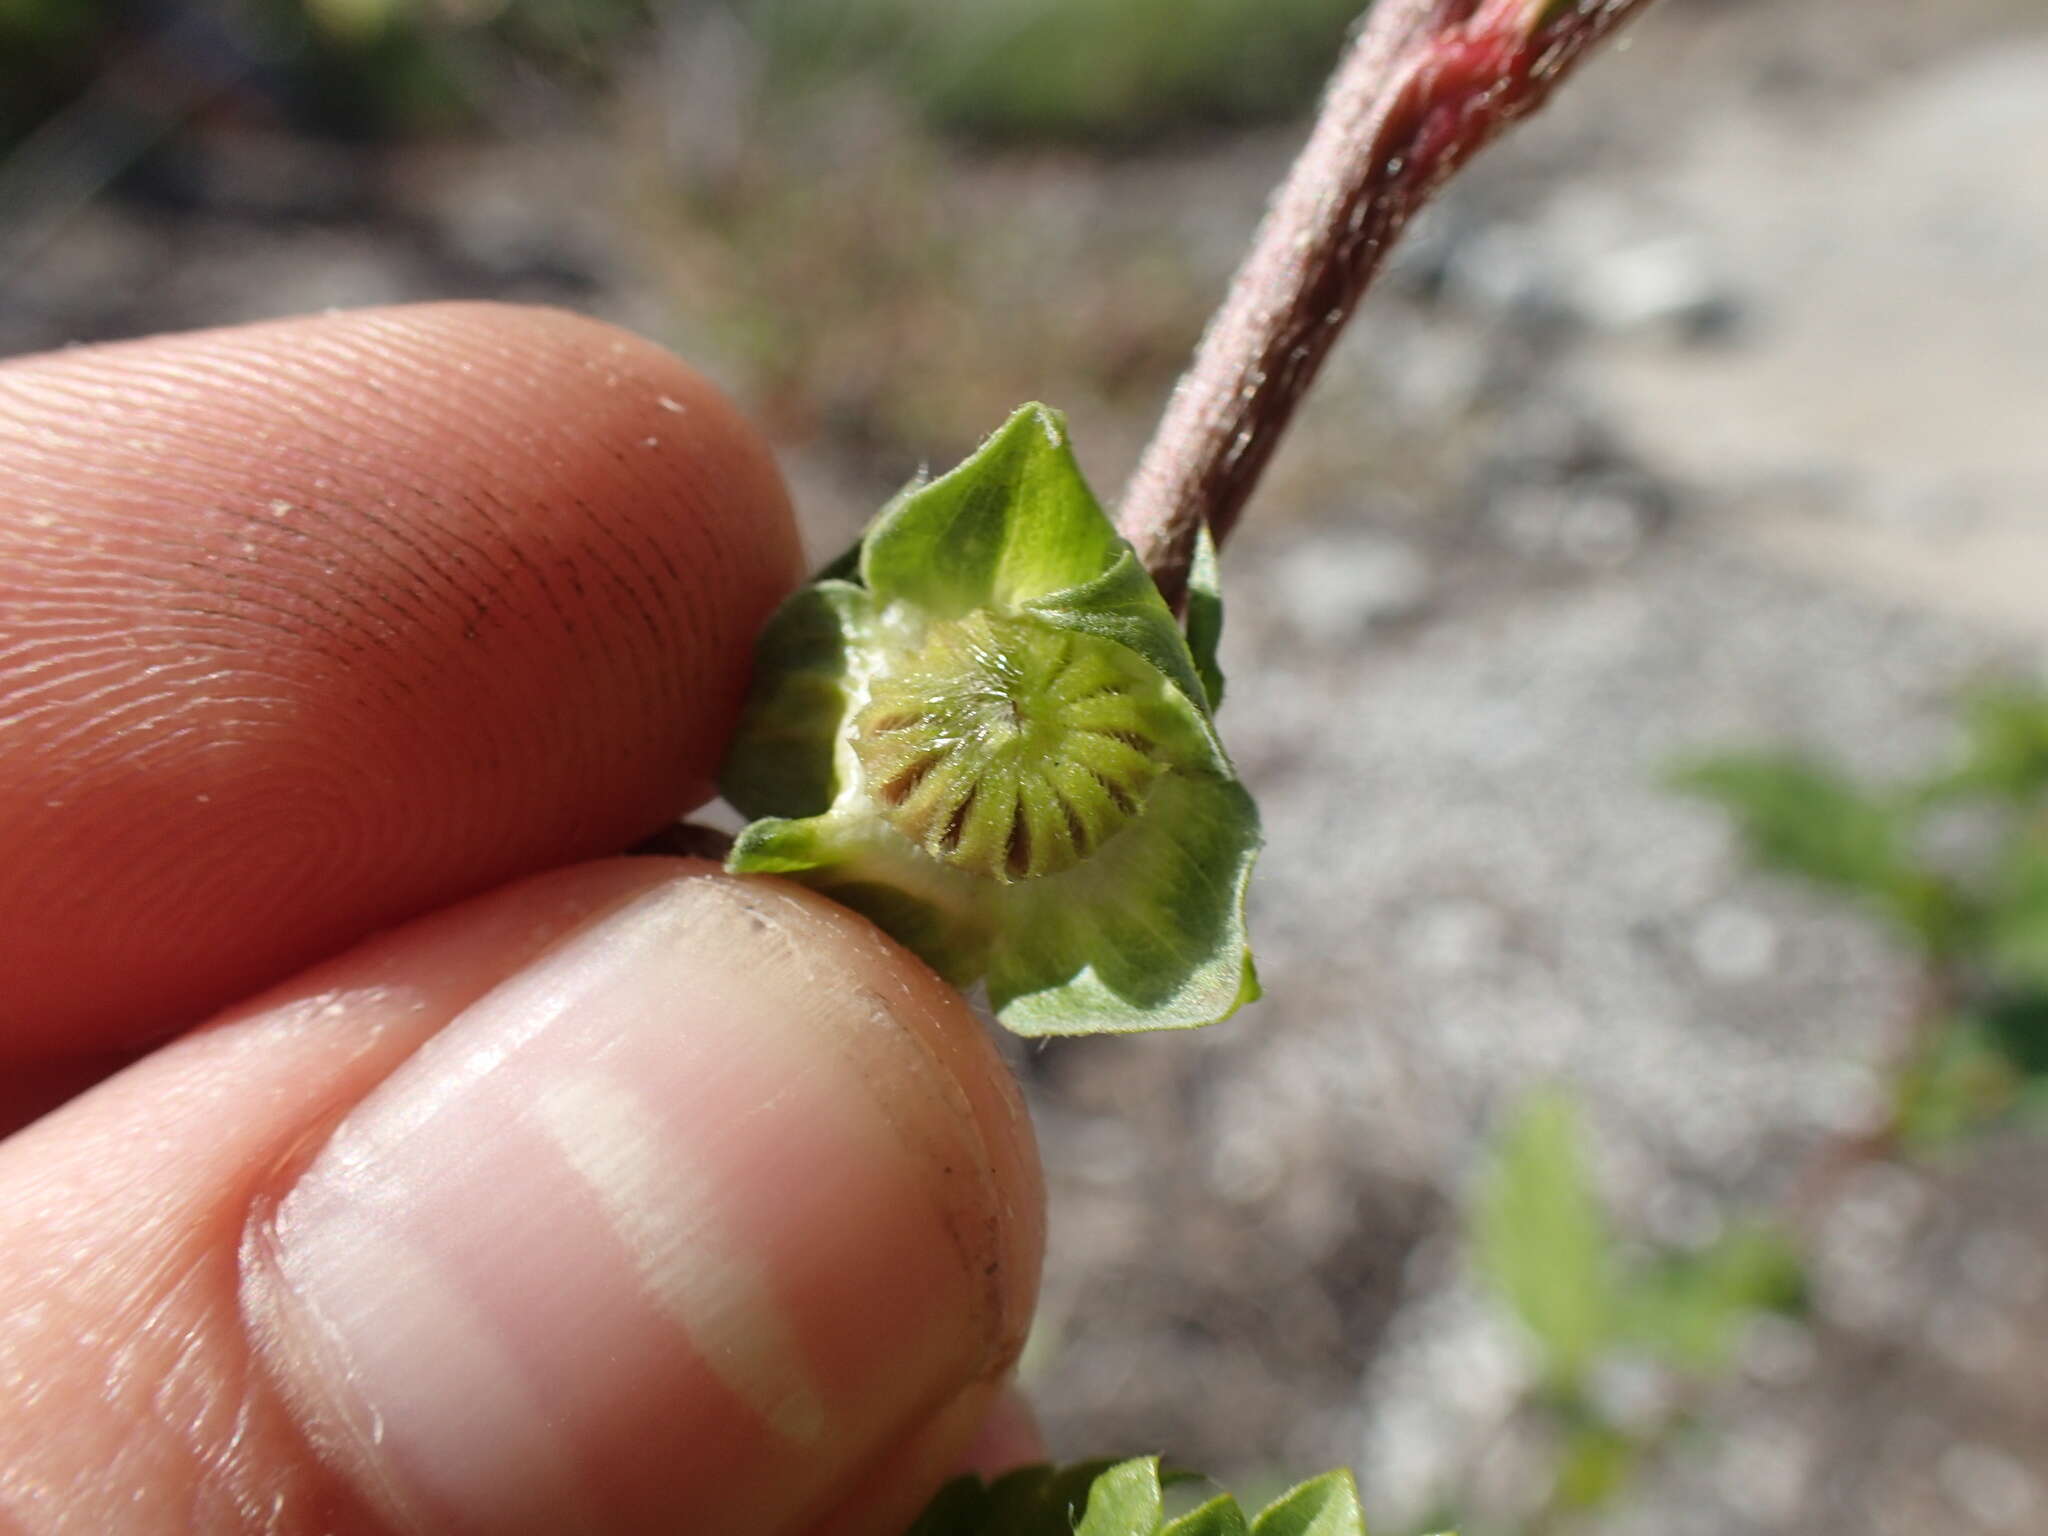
353, 66
1956, 861
1541, 1242
1075, 70
1539, 1238
1012, 70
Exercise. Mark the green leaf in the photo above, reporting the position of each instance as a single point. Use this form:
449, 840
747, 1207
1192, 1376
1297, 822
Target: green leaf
1539, 1239
1127, 1500
1963, 1082
1595, 1464
2016, 1025
783, 764
922, 906
1219, 1517
1804, 818
996, 745
2015, 925
1015, 522
1205, 615
1148, 935
1690, 1308
1323, 1506
2005, 736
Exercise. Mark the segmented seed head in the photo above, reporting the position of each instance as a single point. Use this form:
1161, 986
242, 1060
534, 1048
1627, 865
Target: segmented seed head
1009, 748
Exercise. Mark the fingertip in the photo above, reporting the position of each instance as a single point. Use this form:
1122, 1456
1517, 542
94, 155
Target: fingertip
713, 1207
776, 1210
323, 623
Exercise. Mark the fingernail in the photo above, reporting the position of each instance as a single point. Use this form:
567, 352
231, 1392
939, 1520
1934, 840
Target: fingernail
691, 1216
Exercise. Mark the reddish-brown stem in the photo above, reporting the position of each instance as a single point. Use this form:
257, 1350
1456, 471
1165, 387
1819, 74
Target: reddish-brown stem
1424, 86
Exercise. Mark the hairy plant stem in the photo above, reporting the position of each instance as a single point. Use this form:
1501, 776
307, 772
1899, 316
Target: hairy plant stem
1424, 86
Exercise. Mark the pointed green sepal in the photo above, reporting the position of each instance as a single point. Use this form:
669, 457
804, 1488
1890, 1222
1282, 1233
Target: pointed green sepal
1323, 1506
1016, 521
783, 763
1127, 1498
1221, 1516
1205, 615
989, 735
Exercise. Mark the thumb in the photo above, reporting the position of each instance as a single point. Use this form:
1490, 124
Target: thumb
633, 1198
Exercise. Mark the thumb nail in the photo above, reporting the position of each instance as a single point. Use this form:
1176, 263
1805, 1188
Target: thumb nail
685, 1222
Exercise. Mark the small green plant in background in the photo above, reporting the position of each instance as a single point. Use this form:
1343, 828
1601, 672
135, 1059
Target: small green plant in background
1955, 862
1542, 1244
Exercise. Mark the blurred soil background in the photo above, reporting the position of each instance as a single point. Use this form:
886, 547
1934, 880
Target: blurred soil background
1706, 411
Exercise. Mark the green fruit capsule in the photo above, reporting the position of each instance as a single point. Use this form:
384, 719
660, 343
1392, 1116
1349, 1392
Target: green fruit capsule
987, 733
1008, 748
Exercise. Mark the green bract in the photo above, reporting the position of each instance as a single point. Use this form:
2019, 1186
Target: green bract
988, 733
1129, 1498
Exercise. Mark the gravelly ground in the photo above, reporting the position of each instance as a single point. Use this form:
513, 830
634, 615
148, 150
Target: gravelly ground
1629, 483
1707, 411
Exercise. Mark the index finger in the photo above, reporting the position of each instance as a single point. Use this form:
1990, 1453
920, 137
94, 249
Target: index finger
308, 627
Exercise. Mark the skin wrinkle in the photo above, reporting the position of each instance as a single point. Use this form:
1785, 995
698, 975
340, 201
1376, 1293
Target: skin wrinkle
132, 733
175, 598
138, 1374
379, 594
341, 1429
1002, 1353
361, 563
292, 860
282, 619
176, 1388
136, 740
632, 563
636, 596
234, 625
294, 600
182, 1400
157, 721
250, 575
49, 691
477, 520
458, 600
400, 537
483, 601
668, 565
636, 583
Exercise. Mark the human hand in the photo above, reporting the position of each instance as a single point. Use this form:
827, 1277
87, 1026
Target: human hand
604, 1196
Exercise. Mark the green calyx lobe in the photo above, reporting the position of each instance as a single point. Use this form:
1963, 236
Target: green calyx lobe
985, 730
1007, 748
